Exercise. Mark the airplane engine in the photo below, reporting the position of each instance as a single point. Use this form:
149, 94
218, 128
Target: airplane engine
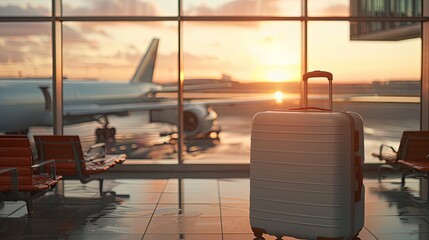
199, 121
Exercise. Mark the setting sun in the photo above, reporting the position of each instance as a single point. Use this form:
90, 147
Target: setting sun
279, 96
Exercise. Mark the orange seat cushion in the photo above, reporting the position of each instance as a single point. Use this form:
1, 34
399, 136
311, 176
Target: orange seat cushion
420, 165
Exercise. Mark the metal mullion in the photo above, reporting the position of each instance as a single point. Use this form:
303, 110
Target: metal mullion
211, 18
181, 79
424, 103
57, 68
115, 18
25, 19
304, 47
302, 18
236, 18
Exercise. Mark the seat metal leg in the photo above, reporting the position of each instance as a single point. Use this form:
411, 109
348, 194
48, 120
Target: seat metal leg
59, 188
30, 207
427, 188
100, 186
404, 175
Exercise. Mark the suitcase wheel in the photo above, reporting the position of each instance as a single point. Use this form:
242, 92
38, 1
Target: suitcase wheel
258, 232
356, 237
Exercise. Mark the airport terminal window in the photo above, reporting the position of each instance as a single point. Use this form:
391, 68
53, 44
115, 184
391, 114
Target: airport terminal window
386, 73
25, 50
243, 61
25, 8
108, 54
267, 50
120, 8
26, 70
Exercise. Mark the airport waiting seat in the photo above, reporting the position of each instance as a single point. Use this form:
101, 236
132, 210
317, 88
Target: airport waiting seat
11, 189
32, 180
391, 156
415, 155
71, 163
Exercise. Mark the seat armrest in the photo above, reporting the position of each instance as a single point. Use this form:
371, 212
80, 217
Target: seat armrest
13, 170
94, 156
97, 145
386, 157
387, 146
52, 168
96, 151
13, 179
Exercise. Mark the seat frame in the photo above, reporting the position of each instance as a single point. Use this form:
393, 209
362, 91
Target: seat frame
17, 193
414, 154
392, 162
43, 143
13, 171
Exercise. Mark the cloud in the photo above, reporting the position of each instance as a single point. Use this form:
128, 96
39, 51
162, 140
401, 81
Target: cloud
80, 34
27, 10
72, 36
337, 10
24, 29
113, 7
8, 55
94, 8
24, 50
237, 7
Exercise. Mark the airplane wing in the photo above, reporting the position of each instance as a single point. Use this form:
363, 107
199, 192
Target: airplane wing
118, 109
115, 109
193, 87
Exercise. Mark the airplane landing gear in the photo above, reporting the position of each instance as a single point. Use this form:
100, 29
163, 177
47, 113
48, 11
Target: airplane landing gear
105, 134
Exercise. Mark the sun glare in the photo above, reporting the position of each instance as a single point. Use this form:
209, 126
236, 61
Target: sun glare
279, 96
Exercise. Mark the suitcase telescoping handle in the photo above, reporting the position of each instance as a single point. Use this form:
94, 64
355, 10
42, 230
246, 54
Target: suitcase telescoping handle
316, 74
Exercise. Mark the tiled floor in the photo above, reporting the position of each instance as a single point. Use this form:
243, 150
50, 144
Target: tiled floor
190, 209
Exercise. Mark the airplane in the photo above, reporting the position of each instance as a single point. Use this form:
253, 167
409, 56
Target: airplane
28, 102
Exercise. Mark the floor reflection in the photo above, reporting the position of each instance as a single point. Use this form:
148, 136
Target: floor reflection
189, 209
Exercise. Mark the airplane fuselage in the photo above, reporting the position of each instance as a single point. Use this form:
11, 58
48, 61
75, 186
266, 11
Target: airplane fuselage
28, 102
25, 103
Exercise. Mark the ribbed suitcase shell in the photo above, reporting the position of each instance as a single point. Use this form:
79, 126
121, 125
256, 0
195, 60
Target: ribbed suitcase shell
303, 174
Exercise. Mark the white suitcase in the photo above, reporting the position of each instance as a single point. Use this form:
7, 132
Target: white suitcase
306, 172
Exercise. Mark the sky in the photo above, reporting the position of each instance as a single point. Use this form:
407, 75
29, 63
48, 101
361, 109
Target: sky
246, 51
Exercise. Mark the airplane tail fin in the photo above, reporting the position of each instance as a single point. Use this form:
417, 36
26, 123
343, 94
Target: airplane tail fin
144, 72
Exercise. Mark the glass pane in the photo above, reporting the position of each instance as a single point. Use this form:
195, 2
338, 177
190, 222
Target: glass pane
329, 8
380, 80
25, 77
100, 63
233, 71
25, 50
25, 8
120, 8
242, 8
